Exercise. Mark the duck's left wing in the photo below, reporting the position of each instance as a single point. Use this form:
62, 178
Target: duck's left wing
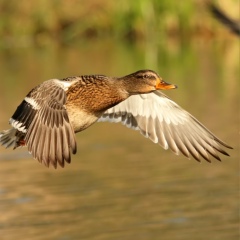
164, 122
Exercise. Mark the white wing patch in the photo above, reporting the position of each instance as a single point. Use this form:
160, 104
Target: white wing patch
32, 102
63, 84
17, 125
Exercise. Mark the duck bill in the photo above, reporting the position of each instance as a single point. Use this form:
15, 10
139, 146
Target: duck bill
161, 85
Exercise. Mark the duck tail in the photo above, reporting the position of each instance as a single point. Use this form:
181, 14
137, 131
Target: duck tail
11, 138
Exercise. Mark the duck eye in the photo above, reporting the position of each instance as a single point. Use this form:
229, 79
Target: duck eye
145, 76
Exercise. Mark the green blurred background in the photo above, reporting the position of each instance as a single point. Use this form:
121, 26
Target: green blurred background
119, 184
30, 23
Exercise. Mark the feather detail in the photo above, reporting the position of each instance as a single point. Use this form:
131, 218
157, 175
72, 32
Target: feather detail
164, 122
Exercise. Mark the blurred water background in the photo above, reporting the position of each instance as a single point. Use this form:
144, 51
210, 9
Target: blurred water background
119, 184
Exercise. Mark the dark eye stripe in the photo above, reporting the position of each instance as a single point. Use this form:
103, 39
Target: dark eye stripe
149, 76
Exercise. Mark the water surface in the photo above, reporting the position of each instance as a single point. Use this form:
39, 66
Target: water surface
119, 184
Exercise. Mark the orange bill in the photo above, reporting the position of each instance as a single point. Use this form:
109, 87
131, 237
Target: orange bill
161, 85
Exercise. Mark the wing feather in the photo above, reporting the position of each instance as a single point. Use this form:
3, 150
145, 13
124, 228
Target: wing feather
164, 122
50, 137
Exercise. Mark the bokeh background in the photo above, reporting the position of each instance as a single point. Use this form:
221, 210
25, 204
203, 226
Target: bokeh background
119, 184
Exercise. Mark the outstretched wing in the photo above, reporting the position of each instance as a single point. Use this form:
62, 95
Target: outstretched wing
42, 116
164, 122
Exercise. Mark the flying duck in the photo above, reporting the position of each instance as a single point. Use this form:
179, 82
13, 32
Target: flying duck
49, 116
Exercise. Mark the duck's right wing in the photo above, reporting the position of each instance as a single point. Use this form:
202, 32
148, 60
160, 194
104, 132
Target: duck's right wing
43, 118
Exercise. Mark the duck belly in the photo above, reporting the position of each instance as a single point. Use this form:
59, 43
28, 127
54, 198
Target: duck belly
81, 119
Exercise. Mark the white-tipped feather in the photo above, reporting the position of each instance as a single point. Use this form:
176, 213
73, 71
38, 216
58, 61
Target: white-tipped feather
17, 125
32, 102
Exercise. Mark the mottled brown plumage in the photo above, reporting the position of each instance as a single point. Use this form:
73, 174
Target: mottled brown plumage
48, 118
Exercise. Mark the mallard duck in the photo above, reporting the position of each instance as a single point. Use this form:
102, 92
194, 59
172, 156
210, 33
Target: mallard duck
49, 116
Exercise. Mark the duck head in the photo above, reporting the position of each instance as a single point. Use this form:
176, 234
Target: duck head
145, 81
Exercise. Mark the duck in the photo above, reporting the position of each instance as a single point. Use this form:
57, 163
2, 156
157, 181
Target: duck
52, 113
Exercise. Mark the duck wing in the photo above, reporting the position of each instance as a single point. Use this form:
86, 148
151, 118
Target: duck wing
43, 117
164, 122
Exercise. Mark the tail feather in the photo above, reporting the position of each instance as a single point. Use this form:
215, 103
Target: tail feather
9, 138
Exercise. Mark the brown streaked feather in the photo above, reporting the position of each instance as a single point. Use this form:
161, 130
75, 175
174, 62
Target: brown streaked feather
45, 138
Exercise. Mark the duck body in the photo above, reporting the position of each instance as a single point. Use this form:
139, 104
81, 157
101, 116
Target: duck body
83, 101
49, 116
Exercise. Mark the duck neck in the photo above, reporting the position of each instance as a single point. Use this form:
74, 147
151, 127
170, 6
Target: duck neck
132, 86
